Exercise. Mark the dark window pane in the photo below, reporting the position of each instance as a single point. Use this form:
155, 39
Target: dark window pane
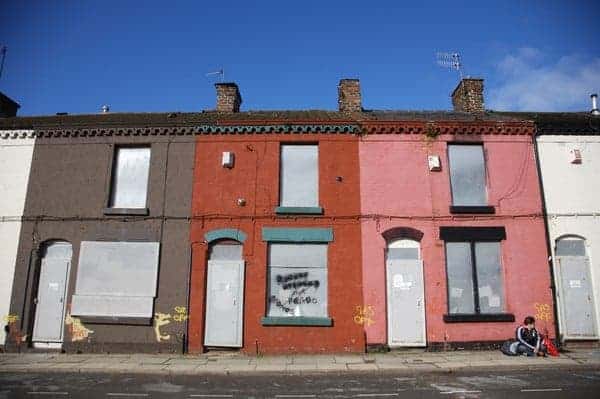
570, 247
467, 175
460, 278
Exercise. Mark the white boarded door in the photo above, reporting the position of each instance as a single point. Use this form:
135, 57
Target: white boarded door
405, 295
224, 303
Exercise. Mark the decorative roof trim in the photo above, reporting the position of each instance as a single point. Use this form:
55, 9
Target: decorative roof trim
17, 134
483, 127
280, 128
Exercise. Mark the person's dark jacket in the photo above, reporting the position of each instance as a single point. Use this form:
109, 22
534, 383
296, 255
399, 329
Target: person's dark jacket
530, 338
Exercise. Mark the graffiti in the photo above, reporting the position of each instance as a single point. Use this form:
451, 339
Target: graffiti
162, 319
180, 314
294, 291
364, 315
296, 280
11, 318
543, 312
79, 332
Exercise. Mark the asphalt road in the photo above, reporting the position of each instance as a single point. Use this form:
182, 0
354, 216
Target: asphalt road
555, 383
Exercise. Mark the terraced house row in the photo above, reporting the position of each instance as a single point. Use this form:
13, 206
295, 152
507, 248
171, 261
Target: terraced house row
297, 231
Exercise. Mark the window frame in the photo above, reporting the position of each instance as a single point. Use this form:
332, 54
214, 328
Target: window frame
467, 209
298, 210
473, 235
109, 209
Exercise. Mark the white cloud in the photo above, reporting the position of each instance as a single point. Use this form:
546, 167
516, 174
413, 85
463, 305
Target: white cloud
527, 82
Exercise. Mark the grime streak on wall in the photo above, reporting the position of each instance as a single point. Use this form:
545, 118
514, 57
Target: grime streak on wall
78, 331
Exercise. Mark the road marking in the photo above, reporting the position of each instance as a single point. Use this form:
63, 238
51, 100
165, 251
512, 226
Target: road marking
296, 396
374, 395
542, 390
459, 391
47, 393
130, 395
215, 395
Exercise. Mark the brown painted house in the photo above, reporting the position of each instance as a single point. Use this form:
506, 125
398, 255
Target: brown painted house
104, 254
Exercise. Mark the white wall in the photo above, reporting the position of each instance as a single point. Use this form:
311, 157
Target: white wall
16, 149
572, 193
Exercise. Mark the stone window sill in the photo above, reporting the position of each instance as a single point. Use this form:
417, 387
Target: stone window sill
299, 210
474, 318
126, 211
472, 209
133, 321
297, 321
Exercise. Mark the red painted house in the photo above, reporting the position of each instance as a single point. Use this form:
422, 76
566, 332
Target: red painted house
453, 243
276, 253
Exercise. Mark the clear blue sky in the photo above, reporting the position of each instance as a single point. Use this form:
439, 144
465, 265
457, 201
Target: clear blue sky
149, 56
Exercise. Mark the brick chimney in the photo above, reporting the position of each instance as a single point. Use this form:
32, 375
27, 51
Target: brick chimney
8, 107
228, 97
468, 96
349, 99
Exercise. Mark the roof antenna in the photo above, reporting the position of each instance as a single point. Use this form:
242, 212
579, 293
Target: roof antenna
452, 61
220, 72
3, 53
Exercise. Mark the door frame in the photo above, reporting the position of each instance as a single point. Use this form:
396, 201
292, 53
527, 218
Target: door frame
423, 342
45, 344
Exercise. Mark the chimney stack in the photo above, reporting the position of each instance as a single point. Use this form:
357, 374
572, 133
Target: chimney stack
468, 96
8, 107
228, 97
349, 99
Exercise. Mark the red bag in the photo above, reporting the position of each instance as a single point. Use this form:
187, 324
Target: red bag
552, 351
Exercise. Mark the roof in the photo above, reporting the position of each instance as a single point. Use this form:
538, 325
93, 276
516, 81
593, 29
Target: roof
563, 123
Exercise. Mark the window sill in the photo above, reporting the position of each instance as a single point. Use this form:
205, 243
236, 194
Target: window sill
134, 321
297, 321
472, 209
468, 318
126, 211
299, 210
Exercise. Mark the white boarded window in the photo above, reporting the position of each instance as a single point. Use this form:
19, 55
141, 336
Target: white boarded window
467, 175
116, 279
297, 280
475, 279
130, 177
299, 185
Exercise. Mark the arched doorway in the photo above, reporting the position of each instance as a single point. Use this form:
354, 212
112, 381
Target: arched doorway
225, 295
51, 294
575, 294
405, 294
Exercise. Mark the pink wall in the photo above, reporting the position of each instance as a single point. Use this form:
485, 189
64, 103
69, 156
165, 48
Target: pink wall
398, 190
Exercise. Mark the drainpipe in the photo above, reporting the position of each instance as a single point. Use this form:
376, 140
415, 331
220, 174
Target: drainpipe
548, 242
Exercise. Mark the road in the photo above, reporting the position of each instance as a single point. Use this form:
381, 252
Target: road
555, 383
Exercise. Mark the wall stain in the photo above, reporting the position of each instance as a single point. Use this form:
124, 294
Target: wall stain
364, 315
79, 332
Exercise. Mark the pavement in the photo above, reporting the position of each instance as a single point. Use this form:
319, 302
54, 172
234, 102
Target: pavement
230, 362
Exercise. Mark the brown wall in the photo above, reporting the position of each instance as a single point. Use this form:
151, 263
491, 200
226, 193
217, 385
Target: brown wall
68, 190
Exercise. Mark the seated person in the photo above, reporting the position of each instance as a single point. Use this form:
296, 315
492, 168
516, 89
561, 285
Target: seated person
530, 341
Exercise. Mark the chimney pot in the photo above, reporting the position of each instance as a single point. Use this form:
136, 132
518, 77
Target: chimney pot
228, 97
468, 96
595, 110
349, 98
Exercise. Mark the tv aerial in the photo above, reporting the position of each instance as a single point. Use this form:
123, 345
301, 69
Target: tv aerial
3, 55
220, 73
450, 60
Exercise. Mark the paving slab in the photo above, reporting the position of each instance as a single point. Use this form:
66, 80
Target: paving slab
362, 367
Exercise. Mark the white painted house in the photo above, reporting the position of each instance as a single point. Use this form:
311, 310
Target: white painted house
569, 156
16, 150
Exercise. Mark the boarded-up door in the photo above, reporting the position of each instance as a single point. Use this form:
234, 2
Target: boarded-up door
224, 303
405, 295
50, 308
576, 298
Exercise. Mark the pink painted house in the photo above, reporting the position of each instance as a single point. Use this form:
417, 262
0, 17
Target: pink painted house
454, 250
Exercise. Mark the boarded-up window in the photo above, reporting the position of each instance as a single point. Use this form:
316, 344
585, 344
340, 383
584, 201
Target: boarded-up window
299, 176
116, 279
475, 278
297, 280
130, 177
467, 175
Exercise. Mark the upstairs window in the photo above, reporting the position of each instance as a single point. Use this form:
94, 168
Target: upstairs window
130, 177
299, 186
467, 175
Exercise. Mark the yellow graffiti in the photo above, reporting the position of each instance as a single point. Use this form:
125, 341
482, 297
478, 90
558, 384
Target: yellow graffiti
161, 319
180, 314
78, 331
364, 315
11, 318
543, 312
